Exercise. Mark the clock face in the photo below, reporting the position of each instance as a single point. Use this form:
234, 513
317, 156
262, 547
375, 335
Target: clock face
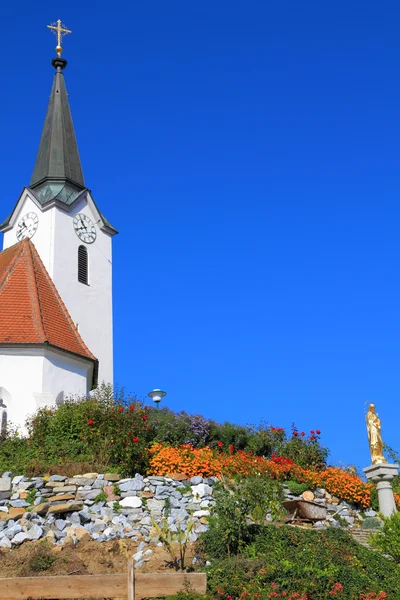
27, 226
84, 228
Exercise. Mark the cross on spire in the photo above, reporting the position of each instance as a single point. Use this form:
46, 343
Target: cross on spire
59, 30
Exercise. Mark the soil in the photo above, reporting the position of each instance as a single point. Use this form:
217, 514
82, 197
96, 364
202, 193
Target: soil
86, 558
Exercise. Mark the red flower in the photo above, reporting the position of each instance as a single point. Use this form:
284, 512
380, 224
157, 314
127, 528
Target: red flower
121, 409
219, 444
302, 434
296, 433
127, 442
317, 431
312, 431
131, 408
231, 448
144, 418
135, 440
90, 422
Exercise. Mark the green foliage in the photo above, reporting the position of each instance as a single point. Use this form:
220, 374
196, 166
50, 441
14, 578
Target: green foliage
262, 494
167, 507
305, 452
168, 539
106, 430
101, 497
371, 523
184, 489
31, 495
315, 565
41, 559
116, 489
388, 539
109, 431
229, 530
296, 488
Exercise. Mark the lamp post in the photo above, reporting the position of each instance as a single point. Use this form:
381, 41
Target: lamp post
157, 395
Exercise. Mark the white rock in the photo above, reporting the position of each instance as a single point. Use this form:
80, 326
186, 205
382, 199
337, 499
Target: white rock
201, 490
201, 513
19, 538
5, 542
131, 502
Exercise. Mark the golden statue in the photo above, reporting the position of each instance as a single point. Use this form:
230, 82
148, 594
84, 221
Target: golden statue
375, 436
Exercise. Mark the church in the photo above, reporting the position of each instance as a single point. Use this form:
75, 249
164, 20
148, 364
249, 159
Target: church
56, 333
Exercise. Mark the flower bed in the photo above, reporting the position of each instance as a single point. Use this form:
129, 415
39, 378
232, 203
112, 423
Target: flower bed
208, 462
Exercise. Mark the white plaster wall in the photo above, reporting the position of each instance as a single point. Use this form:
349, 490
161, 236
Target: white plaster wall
90, 306
43, 238
33, 378
62, 373
21, 376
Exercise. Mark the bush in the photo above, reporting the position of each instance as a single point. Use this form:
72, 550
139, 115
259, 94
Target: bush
296, 488
371, 523
41, 560
388, 539
286, 562
228, 530
229, 527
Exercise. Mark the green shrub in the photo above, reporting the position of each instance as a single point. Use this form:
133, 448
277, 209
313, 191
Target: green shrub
262, 495
228, 530
371, 523
296, 488
388, 539
101, 497
315, 565
41, 559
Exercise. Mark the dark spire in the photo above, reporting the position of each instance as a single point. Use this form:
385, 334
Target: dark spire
58, 157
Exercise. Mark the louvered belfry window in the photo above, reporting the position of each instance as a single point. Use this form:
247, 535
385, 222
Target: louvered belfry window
83, 265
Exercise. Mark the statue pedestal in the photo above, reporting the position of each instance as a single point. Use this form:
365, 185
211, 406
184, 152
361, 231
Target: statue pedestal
382, 474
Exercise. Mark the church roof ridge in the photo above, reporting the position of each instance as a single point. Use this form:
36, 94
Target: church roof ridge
32, 311
58, 155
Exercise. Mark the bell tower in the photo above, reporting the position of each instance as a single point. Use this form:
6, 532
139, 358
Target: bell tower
73, 239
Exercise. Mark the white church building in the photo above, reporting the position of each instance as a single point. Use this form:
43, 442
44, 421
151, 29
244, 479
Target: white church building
56, 336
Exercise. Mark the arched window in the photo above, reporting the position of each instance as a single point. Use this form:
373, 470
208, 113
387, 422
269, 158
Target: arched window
83, 268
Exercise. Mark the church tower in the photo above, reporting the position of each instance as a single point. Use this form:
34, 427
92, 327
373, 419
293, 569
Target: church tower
72, 241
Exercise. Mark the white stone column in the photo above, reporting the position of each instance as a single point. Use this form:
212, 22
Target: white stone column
383, 474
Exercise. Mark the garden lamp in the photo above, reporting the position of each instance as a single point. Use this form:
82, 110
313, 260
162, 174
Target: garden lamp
157, 395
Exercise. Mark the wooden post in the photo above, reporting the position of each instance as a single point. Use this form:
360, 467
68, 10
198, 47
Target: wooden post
131, 580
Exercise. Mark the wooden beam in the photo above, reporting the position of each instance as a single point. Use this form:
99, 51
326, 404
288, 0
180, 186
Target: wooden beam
135, 586
68, 586
151, 585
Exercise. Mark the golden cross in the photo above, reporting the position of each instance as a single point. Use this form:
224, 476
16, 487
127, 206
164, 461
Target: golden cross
59, 30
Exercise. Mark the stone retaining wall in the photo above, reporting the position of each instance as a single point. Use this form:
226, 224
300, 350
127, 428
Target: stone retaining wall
101, 507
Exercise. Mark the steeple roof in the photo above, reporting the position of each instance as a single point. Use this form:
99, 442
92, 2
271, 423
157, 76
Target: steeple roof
31, 310
58, 157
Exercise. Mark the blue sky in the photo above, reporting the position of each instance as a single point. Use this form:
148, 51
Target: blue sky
248, 153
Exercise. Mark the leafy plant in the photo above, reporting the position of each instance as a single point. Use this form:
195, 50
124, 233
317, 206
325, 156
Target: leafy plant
31, 495
371, 523
101, 497
296, 488
170, 539
228, 531
41, 560
388, 538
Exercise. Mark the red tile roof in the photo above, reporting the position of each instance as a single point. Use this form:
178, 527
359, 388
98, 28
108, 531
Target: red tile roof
31, 309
